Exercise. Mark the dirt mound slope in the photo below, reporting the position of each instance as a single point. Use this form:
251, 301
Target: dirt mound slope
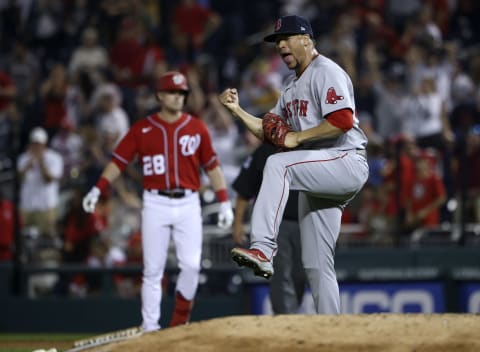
319, 333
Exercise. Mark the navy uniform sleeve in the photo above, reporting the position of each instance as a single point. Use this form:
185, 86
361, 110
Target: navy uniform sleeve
247, 184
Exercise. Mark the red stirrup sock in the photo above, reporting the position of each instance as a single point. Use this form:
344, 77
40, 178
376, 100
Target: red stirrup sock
181, 314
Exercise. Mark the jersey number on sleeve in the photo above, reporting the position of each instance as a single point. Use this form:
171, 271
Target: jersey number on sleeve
153, 164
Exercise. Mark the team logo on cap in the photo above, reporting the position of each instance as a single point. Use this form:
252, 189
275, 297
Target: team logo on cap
278, 24
178, 79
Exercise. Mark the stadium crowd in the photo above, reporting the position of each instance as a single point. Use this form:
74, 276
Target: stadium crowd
75, 74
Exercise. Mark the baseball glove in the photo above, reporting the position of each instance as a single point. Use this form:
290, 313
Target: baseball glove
275, 129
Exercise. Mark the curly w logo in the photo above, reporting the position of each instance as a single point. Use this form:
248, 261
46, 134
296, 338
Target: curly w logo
189, 144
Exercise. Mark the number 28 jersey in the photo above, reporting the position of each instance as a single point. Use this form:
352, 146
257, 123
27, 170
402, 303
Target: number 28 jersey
170, 154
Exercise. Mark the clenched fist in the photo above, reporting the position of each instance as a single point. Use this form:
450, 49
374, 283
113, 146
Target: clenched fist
229, 98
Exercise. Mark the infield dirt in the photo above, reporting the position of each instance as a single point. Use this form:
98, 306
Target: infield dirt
287, 333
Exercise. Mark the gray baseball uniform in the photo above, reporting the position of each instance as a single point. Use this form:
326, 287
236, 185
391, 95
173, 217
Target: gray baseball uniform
328, 173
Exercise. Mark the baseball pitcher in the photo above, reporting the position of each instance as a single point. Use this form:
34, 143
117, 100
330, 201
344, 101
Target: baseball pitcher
323, 157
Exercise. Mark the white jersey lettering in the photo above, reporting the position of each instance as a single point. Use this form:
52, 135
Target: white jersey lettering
153, 164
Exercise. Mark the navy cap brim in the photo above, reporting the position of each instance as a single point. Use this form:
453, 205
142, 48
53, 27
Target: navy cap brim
272, 38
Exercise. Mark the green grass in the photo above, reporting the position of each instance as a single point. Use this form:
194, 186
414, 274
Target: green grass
42, 337
29, 342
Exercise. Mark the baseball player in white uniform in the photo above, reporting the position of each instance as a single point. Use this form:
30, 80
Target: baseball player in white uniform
323, 157
171, 146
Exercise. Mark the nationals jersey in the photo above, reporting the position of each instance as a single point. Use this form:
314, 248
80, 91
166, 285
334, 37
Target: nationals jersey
171, 154
324, 87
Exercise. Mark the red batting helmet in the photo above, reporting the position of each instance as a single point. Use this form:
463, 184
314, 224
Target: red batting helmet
173, 80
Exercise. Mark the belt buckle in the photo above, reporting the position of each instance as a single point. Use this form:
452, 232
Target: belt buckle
171, 193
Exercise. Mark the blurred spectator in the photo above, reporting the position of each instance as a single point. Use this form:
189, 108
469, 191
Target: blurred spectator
109, 116
340, 43
124, 53
391, 45
426, 61
225, 139
53, 94
465, 111
179, 53
124, 200
463, 86
464, 25
390, 93
261, 80
68, 143
80, 231
7, 224
376, 165
467, 176
232, 28
8, 112
101, 254
428, 26
45, 25
127, 58
89, 56
104, 253
366, 100
400, 11
12, 20
154, 62
111, 14
261, 89
93, 157
134, 249
425, 197
196, 97
195, 23
398, 174
151, 11
40, 169
129, 286
97, 152
371, 214
125, 208
81, 228
428, 121
8, 92
426, 115
77, 16
24, 69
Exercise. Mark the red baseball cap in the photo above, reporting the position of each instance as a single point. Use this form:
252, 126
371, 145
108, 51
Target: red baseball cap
173, 80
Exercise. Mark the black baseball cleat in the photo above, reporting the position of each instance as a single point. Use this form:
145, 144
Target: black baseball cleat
253, 259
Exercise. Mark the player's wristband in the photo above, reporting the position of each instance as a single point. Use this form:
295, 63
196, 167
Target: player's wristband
103, 184
222, 195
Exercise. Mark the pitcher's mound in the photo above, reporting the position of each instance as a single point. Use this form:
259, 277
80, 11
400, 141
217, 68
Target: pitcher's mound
319, 333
